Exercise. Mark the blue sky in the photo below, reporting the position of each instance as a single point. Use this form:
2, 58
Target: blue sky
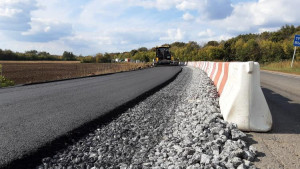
90, 26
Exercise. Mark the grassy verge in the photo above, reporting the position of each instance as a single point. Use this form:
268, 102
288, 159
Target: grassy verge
284, 66
3, 81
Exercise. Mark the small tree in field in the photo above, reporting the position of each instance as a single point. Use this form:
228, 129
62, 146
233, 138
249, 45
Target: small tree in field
68, 56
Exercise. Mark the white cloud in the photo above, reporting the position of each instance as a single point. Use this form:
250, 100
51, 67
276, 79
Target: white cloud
189, 4
54, 47
158, 4
270, 11
92, 26
44, 30
206, 33
264, 14
47, 29
7, 12
164, 4
188, 17
174, 35
260, 30
15, 14
223, 37
211, 9
218, 9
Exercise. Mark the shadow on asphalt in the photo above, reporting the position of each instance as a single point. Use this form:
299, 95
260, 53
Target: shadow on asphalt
285, 113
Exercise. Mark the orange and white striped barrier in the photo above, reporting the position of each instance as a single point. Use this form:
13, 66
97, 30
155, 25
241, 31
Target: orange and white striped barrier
241, 99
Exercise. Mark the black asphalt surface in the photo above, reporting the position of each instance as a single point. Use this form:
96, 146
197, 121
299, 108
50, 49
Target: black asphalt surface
285, 113
284, 84
32, 116
282, 92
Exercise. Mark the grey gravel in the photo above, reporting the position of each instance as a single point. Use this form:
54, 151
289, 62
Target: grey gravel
198, 127
178, 127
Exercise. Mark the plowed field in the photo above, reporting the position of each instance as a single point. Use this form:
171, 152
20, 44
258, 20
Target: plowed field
32, 72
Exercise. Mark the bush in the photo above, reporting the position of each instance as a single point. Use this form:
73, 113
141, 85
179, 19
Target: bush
5, 82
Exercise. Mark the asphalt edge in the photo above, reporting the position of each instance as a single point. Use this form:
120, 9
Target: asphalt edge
34, 158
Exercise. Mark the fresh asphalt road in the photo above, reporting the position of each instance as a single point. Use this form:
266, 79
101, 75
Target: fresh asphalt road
281, 146
31, 116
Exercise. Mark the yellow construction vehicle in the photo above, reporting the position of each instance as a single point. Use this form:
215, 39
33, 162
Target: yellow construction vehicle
164, 57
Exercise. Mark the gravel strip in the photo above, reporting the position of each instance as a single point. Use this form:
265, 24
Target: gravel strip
178, 127
198, 137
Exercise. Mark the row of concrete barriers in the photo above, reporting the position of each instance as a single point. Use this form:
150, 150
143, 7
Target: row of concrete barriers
241, 99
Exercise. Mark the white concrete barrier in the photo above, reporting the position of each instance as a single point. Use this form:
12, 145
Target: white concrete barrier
241, 99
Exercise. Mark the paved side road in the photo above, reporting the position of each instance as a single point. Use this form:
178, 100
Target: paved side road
32, 116
282, 83
281, 146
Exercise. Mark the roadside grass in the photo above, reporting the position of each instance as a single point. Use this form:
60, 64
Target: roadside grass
3, 81
284, 66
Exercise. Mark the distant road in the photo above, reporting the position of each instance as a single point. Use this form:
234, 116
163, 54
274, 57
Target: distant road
31, 116
280, 148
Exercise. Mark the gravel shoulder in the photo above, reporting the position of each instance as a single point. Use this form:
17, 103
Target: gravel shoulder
179, 126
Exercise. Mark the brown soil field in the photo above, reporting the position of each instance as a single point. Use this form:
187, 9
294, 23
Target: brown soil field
33, 72
1, 62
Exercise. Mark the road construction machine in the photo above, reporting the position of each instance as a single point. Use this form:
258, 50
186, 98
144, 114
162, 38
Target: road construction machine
164, 57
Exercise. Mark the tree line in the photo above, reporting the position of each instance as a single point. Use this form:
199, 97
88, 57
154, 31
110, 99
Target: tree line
34, 55
263, 47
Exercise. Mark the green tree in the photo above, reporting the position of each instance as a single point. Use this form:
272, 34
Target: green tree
288, 49
239, 50
229, 50
251, 51
133, 52
88, 59
143, 56
215, 53
68, 56
142, 49
98, 57
178, 44
212, 43
266, 50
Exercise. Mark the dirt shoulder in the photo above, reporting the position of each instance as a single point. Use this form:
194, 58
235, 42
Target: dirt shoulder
279, 150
